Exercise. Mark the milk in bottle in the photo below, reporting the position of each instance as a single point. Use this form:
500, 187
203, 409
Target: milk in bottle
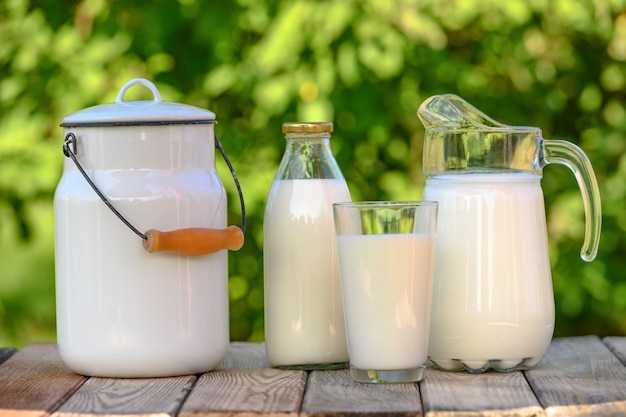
304, 323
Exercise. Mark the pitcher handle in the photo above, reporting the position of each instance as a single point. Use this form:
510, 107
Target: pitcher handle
570, 155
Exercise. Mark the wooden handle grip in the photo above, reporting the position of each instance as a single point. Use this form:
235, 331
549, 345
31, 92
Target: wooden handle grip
194, 241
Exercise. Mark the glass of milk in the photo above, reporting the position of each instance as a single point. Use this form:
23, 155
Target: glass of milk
386, 257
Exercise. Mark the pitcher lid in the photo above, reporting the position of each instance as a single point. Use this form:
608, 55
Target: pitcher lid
128, 113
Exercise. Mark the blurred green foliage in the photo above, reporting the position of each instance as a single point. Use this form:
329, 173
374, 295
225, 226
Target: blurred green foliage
365, 65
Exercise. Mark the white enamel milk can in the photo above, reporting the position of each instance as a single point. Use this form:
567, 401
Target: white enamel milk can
141, 240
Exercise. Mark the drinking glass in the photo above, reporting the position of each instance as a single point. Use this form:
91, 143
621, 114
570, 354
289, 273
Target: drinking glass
386, 257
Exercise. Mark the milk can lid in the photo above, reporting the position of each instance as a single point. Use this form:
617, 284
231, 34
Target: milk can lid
128, 113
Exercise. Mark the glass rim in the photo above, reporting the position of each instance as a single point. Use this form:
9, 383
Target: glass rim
386, 204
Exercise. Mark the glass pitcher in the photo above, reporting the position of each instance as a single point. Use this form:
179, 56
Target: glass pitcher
493, 304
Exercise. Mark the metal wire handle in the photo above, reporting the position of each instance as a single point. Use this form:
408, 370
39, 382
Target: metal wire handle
69, 150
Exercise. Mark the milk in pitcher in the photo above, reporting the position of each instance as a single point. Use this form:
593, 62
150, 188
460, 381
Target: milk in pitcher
492, 270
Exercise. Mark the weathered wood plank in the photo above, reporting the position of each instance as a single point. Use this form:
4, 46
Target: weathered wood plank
243, 355
137, 397
617, 345
489, 394
34, 382
579, 376
6, 353
334, 393
245, 385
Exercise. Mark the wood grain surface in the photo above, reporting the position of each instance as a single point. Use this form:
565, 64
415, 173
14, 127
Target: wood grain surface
580, 376
35, 382
334, 393
617, 345
245, 385
487, 394
138, 397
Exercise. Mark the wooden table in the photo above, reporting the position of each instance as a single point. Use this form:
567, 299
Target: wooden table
578, 376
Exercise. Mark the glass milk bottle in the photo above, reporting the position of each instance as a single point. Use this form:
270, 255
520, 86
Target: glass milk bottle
304, 323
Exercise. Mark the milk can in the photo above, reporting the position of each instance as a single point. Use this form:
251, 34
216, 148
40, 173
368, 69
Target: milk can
141, 240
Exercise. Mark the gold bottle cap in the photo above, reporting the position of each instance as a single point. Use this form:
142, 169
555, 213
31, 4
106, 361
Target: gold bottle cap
316, 127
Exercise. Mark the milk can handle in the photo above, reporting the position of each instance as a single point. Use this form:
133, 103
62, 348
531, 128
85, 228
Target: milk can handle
146, 83
219, 146
570, 155
192, 241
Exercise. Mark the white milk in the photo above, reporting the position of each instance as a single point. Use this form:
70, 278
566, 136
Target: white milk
492, 293
387, 300
304, 321
123, 312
